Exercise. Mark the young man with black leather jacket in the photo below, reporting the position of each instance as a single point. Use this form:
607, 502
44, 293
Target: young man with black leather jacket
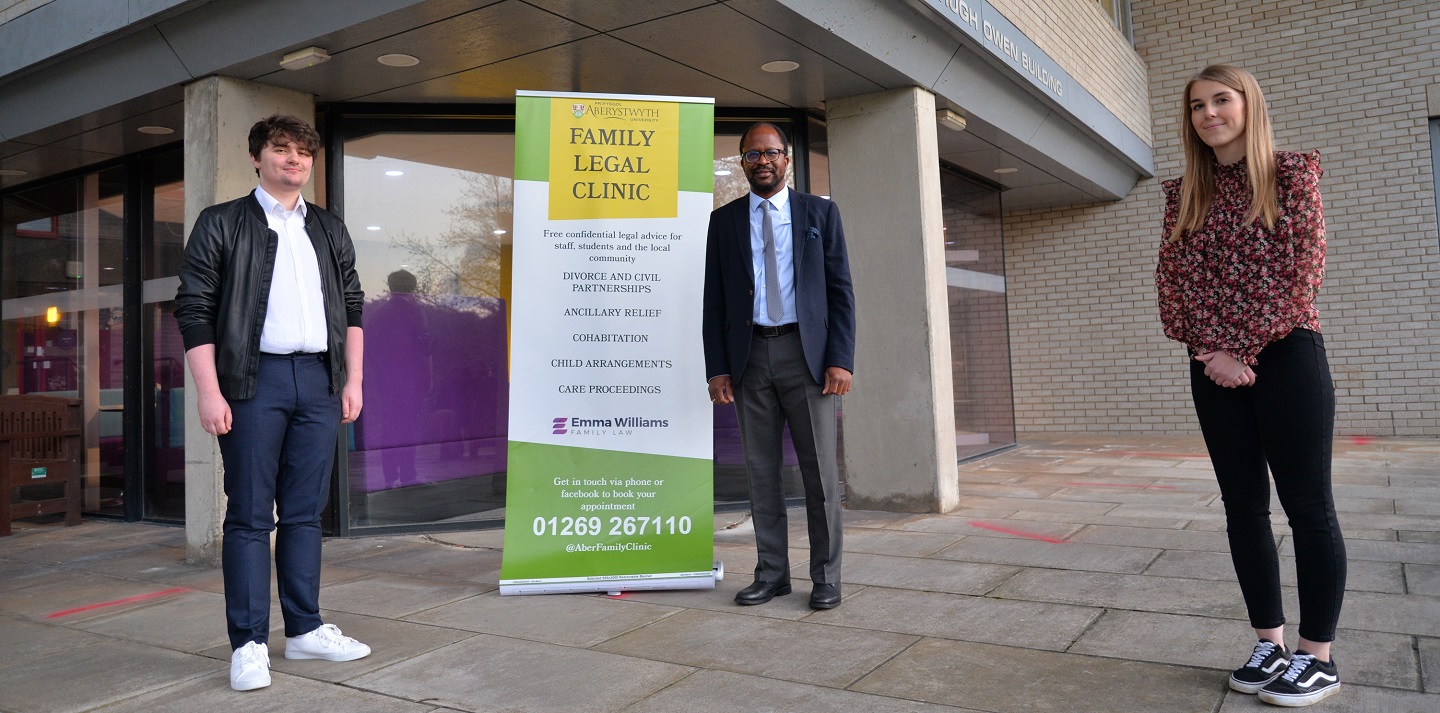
269, 307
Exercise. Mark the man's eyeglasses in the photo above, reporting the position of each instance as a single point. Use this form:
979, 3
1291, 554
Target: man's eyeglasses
771, 155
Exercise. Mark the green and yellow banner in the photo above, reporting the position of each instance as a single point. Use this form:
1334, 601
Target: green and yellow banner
610, 453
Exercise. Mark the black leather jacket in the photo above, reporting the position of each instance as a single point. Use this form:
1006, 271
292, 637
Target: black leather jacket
225, 286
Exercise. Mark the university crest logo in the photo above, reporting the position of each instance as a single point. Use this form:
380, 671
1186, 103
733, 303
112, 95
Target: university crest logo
578, 110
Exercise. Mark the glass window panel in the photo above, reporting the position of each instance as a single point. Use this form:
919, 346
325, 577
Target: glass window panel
431, 216
979, 329
164, 352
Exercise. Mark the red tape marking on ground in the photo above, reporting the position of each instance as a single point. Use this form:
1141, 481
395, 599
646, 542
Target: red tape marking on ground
1165, 455
1122, 485
118, 602
1017, 533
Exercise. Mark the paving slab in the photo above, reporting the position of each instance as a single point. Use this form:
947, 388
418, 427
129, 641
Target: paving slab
1429, 664
396, 595
1397, 613
994, 527
709, 691
1427, 537
1137, 592
722, 597
1134, 496
569, 619
87, 677
1419, 507
191, 622
1374, 506
1063, 555
286, 694
429, 560
390, 642
1176, 512
19, 574
1152, 537
1409, 552
793, 651
27, 640
955, 616
925, 574
1422, 579
1013, 680
152, 564
1361, 575
982, 502
896, 542
1352, 698
1080, 519
503, 674
73, 595
875, 518
1371, 521
1364, 657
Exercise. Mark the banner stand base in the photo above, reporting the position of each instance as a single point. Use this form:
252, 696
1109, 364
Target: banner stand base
615, 588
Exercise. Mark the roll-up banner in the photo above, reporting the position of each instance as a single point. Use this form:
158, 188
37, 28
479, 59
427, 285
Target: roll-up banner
609, 481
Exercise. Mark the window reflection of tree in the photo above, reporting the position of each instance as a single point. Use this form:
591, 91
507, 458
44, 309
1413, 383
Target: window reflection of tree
465, 260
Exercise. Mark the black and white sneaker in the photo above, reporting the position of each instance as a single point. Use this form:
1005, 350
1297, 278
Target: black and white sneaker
1308, 680
1266, 663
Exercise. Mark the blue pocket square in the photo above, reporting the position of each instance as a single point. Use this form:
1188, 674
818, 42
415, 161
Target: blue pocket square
812, 233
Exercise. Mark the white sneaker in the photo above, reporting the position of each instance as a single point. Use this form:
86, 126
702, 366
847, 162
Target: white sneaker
326, 643
250, 667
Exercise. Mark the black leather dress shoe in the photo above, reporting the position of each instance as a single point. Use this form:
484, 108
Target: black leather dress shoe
761, 592
825, 596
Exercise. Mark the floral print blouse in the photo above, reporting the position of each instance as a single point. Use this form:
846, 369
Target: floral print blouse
1234, 287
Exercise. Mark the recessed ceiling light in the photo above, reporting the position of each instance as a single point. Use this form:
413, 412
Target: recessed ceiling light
372, 227
156, 130
1006, 170
499, 231
780, 65
13, 172
394, 173
722, 172
398, 60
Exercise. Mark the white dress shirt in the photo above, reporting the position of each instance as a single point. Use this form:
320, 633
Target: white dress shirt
784, 256
295, 312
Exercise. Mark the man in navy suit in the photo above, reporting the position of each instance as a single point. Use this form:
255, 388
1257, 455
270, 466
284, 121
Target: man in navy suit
779, 330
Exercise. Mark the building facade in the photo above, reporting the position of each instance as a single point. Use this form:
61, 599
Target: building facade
996, 161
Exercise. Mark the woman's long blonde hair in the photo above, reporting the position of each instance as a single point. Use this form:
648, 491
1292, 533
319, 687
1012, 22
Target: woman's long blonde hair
1197, 189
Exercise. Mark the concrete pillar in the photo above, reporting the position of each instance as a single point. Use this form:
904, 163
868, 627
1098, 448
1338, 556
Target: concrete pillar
900, 415
219, 112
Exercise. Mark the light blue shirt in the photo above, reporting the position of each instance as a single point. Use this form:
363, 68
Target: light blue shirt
784, 255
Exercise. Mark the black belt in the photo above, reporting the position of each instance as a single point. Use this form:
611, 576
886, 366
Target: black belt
764, 331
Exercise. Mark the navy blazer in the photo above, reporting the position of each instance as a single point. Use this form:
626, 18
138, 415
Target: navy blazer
824, 299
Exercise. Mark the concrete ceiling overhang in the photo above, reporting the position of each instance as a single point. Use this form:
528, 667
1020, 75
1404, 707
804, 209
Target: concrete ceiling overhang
81, 102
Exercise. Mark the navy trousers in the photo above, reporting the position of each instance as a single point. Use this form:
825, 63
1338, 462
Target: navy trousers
278, 455
1281, 427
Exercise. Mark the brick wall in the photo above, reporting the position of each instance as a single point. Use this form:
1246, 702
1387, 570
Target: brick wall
1347, 78
1078, 36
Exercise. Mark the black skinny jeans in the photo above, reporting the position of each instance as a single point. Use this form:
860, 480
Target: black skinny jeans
1286, 420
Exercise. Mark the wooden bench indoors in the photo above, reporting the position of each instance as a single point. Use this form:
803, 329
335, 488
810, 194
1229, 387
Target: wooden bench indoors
39, 446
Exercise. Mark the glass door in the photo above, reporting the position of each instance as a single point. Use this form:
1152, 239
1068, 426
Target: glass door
78, 257
63, 318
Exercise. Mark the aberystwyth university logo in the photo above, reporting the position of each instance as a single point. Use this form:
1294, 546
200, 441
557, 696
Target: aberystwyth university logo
578, 110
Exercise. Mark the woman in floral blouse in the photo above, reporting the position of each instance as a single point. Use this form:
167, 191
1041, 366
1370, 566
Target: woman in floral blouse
1241, 262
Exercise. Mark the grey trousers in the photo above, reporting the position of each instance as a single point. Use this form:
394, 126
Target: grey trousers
777, 389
